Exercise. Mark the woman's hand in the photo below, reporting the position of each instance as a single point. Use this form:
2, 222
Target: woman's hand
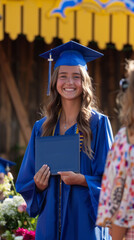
41, 178
72, 178
118, 232
110, 232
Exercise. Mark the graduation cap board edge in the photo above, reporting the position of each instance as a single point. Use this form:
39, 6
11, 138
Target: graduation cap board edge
87, 53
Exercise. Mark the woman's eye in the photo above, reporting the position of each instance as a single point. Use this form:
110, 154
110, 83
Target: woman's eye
62, 76
76, 77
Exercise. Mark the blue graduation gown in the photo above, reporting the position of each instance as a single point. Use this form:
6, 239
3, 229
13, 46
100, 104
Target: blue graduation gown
78, 203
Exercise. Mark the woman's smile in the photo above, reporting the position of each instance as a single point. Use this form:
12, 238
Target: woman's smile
70, 90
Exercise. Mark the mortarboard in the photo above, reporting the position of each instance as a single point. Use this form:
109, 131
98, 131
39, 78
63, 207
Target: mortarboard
69, 54
5, 165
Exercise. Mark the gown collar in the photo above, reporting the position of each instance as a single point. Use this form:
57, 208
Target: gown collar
72, 130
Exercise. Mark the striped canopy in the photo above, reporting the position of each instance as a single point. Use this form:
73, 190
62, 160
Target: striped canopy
102, 21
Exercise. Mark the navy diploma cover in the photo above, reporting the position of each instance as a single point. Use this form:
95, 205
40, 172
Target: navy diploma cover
60, 153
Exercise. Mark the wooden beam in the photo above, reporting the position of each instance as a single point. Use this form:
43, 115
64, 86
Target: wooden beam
15, 97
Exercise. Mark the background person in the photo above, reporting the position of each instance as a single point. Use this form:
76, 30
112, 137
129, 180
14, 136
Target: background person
116, 204
4, 169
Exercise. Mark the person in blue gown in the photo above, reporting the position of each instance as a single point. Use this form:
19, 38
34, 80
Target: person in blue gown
66, 203
4, 170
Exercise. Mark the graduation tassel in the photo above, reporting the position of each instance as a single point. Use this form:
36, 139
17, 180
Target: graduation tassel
7, 168
50, 59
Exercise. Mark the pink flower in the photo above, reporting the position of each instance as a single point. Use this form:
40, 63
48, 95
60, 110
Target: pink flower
22, 207
29, 235
20, 232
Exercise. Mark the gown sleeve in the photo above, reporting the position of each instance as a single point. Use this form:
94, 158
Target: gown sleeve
25, 184
101, 143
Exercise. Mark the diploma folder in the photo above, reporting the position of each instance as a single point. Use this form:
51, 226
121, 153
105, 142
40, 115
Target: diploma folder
60, 153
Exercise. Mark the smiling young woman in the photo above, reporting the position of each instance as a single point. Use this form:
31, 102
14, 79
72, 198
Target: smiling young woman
67, 211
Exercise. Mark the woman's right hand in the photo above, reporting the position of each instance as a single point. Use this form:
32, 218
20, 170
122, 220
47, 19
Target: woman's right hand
41, 178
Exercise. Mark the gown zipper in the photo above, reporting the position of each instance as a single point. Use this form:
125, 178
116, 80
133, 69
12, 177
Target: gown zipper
60, 208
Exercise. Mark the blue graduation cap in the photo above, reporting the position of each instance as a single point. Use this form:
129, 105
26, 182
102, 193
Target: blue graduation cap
69, 54
5, 165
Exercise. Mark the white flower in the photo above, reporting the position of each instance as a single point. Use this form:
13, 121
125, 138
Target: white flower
18, 200
10, 205
18, 238
6, 186
2, 223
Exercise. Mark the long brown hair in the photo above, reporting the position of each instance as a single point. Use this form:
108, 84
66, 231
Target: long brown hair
126, 99
87, 104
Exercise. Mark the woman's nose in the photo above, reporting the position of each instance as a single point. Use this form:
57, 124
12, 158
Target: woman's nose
70, 79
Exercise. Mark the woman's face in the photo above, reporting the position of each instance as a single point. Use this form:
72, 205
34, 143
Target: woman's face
69, 82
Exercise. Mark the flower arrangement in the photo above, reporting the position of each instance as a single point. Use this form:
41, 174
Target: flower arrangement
15, 223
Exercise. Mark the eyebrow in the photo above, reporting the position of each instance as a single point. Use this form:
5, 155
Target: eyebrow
67, 72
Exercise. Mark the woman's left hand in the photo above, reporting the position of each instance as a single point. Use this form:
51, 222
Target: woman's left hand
71, 178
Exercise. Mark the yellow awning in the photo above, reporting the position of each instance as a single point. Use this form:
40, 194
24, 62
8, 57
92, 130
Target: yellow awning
87, 21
